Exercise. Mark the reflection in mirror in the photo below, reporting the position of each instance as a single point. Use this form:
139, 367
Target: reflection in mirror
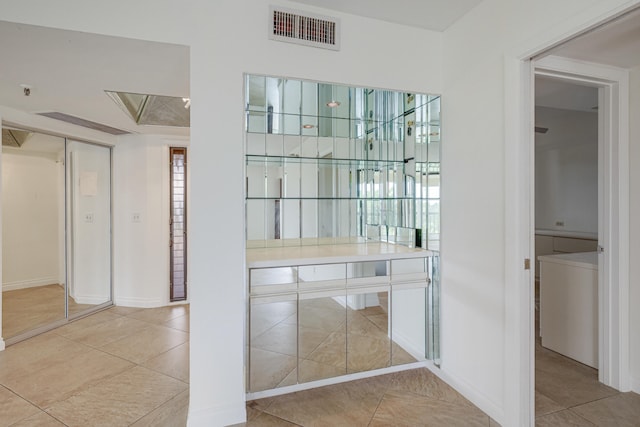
273, 338
408, 325
376, 148
322, 336
368, 342
33, 243
89, 216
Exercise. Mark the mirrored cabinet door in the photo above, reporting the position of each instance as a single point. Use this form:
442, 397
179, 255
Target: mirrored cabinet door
322, 335
368, 339
273, 344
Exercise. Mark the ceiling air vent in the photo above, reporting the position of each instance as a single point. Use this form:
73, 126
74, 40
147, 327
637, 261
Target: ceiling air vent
309, 30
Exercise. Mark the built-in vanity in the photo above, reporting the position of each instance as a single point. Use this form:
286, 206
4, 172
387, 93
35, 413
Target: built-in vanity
342, 226
321, 312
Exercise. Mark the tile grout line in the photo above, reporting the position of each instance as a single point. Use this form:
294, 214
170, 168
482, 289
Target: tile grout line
386, 389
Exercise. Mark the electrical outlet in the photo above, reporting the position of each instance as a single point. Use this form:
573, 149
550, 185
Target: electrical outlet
135, 217
88, 217
559, 223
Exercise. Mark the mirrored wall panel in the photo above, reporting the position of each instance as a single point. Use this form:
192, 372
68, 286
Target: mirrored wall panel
89, 221
329, 164
56, 230
33, 231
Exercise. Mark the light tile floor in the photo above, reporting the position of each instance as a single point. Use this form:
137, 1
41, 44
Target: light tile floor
126, 366
118, 367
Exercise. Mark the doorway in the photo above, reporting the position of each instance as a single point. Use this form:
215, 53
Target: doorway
612, 83
569, 191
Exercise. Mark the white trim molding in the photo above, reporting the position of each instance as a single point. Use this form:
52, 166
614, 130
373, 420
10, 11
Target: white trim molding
218, 416
139, 302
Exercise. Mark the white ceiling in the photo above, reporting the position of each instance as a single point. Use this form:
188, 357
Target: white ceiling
555, 93
69, 71
435, 15
616, 43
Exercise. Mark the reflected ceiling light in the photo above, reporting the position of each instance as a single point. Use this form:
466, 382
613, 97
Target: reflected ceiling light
308, 126
333, 104
187, 102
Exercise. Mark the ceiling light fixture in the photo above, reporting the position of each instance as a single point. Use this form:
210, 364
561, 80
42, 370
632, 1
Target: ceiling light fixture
308, 126
333, 104
187, 102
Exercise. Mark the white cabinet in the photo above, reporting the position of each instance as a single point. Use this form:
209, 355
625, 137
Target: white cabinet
569, 305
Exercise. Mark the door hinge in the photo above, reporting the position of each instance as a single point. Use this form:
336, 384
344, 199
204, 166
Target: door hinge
527, 264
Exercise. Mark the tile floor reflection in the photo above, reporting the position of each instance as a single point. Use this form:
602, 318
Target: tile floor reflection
296, 342
26, 309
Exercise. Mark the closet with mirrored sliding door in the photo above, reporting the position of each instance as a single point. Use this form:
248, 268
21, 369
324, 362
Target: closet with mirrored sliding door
56, 231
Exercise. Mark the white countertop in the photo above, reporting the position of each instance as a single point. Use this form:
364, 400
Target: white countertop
329, 254
569, 234
578, 259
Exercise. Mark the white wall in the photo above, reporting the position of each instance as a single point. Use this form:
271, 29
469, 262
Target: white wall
566, 168
481, 315
141, 248
31, 193
2, 345
634, 229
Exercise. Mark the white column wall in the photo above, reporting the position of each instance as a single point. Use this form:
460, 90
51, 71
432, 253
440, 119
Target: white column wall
634, 228
141, 246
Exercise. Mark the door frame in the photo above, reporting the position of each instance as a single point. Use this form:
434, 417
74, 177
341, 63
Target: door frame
520, 226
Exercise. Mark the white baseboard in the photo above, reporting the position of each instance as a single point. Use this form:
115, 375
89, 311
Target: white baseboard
635, 385
218, 416
31, 283
139, 302
2, 346
469, 392
91, 299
